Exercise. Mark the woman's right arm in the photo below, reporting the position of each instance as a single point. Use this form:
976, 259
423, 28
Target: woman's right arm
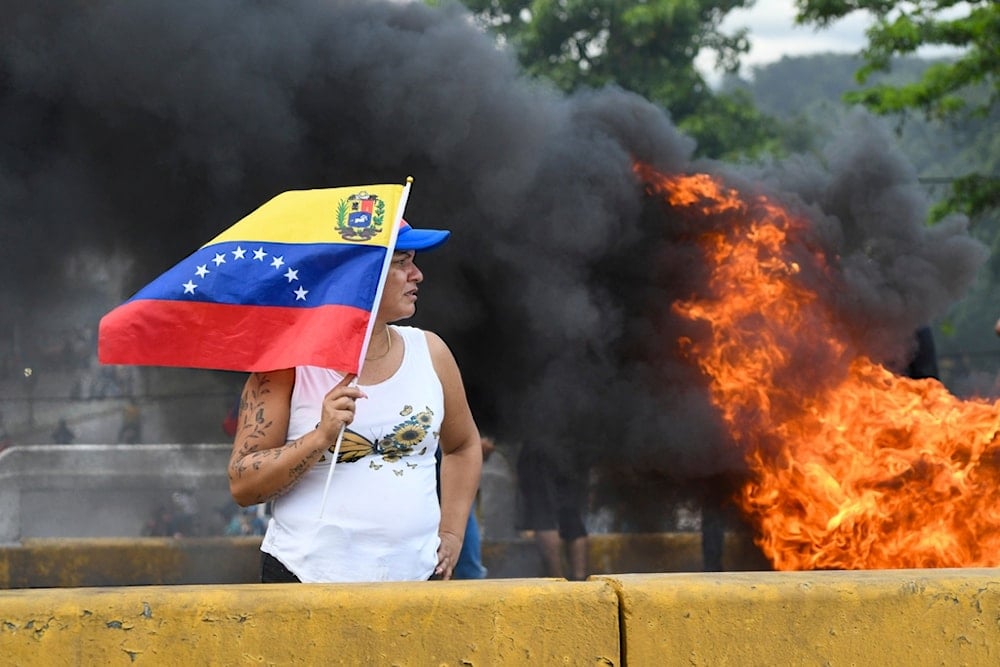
262, 465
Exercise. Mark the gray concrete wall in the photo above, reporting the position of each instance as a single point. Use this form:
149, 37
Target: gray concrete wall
102, 490
112, 490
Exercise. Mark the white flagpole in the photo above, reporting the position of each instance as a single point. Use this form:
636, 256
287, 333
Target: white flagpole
333, 463
393, 233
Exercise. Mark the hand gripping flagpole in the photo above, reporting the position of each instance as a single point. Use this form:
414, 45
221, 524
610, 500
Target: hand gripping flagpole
393, 233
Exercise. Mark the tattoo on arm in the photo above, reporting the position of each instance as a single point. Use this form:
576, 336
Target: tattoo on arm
254, 429
254, 459
296, 471
254, 423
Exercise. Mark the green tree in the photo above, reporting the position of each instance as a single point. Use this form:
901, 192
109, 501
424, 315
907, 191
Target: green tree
948, 90
646, 46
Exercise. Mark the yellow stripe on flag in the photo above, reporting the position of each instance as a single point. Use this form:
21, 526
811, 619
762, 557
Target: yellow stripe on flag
320, 216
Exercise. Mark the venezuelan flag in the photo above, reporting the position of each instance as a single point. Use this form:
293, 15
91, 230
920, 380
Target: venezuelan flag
294, 283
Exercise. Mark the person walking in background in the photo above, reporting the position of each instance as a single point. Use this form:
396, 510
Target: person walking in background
379, 518
131, 429
5, 439
470, 559
923, 363
63, 435
552, 497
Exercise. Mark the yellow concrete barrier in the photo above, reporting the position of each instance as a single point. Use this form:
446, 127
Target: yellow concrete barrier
909, 618
893, 617
502, 622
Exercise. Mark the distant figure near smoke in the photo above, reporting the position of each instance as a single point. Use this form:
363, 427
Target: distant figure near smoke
5, 439
131, 429
63, 435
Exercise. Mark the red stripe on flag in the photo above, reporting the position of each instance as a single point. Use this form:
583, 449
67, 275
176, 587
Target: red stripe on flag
156, 332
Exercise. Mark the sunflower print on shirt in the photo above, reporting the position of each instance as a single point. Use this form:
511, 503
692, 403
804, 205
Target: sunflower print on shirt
400, 442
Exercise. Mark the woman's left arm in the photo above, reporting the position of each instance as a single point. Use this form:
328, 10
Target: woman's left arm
461, 457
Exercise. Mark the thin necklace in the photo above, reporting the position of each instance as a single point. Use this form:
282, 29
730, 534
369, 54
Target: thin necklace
388, 346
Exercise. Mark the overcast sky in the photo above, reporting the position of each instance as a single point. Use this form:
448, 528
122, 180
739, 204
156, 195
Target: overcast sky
773, 34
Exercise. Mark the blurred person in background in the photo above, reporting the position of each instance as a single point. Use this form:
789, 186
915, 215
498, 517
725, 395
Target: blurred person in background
470, 559
552, 499
923, 363
5, 438
63, 435
131, 429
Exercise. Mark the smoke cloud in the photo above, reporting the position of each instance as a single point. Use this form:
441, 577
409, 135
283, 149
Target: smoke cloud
142, 129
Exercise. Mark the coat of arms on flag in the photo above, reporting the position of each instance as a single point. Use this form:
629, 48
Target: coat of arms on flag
360, 216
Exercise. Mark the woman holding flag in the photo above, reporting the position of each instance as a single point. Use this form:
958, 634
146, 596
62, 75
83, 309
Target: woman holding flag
375, 516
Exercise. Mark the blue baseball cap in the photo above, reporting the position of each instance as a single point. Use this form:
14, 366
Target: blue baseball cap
408, 238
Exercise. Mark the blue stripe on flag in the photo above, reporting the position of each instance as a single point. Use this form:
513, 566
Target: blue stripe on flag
273, 274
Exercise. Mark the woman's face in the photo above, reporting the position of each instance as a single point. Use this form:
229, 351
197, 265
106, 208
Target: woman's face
399, 294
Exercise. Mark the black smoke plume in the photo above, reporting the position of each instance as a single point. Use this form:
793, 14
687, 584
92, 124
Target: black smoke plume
144, 128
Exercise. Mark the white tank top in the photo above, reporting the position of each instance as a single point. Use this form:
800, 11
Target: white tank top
382, 514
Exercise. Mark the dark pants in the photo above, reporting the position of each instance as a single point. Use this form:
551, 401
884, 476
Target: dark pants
273, 571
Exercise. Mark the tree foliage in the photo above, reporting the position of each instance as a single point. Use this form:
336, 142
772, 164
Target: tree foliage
946, 91
646, 46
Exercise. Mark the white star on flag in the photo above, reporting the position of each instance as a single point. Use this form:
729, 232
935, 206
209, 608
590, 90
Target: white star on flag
208, 288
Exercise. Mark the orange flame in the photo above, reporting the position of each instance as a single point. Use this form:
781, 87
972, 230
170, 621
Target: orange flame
852, 466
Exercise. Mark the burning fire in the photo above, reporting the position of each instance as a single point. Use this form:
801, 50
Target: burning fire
852, 466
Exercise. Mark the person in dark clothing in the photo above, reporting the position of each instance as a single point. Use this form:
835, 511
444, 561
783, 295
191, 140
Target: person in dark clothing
924, 362
552, 499
717, 512
5, 439
131, 429
63, 435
